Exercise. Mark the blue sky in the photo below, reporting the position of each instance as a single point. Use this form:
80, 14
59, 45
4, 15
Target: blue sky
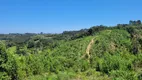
55, 16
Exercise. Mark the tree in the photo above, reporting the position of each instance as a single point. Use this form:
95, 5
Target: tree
138, 22
3, 60
3, 56
130, 22
90, 31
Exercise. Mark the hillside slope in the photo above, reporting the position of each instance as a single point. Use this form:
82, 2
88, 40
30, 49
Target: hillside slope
110, 55
98, 53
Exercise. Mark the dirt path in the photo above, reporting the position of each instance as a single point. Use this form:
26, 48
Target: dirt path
87, 53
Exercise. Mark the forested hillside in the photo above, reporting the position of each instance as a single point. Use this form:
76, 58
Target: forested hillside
97, 53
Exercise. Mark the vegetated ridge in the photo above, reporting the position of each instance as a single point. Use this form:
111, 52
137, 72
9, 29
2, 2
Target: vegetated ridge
97, 53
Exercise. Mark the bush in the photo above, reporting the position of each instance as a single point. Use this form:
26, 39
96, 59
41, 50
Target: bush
123, 75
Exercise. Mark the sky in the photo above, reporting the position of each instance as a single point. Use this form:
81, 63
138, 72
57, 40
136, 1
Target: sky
56, 16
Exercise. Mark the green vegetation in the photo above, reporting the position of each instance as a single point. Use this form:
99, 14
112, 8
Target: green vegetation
114, 54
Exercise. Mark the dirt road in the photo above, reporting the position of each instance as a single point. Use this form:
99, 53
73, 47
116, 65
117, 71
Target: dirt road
87, 53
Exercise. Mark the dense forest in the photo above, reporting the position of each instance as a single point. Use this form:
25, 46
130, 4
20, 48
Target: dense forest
98, 53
